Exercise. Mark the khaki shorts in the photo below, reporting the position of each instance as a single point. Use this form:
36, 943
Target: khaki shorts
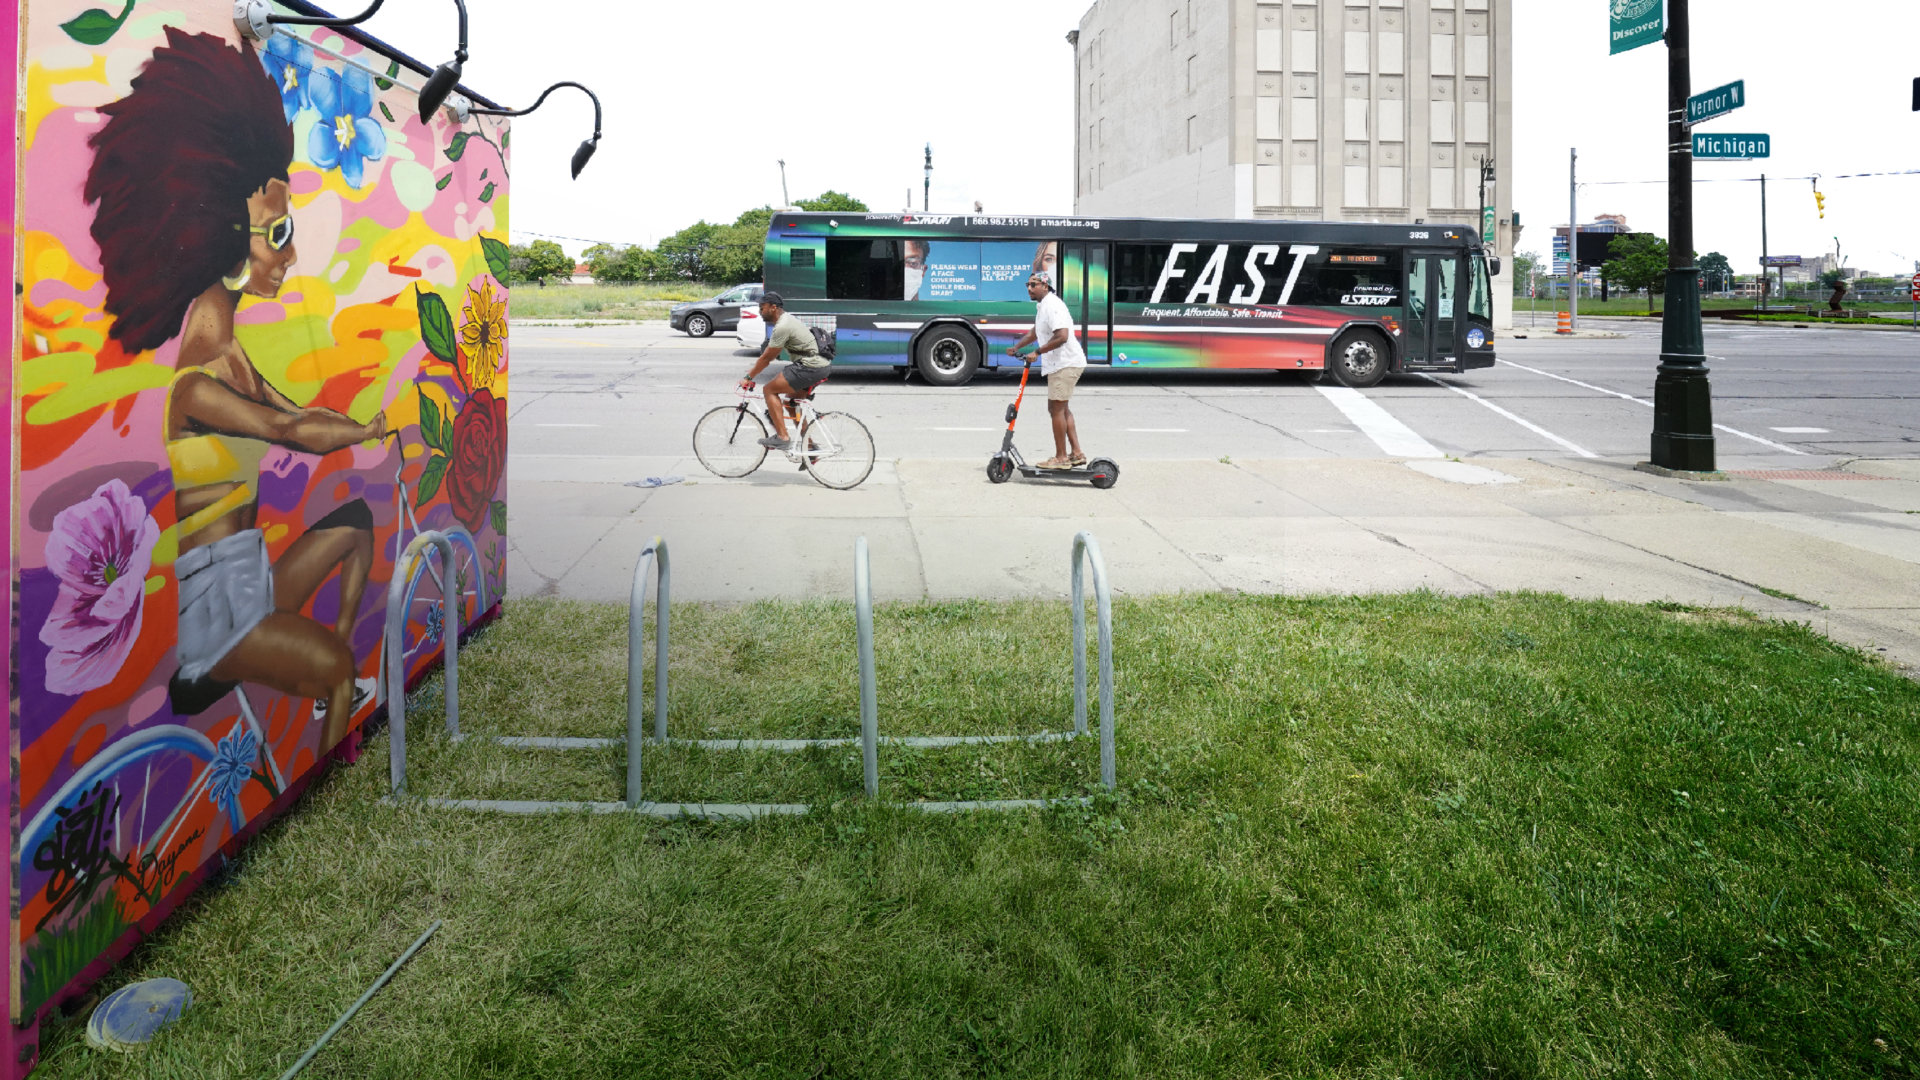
1060, 384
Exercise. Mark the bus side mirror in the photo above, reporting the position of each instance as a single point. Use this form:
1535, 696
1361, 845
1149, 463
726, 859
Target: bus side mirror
1493, 265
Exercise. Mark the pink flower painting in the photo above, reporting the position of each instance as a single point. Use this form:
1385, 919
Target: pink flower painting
100, 550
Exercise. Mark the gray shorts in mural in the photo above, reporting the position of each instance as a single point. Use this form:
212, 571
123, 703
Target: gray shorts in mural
226, 589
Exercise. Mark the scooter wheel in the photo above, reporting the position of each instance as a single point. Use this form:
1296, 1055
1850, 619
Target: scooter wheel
999, 469
1105, 473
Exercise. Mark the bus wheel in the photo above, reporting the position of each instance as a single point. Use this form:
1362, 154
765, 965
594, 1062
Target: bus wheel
948, 356
1359, 359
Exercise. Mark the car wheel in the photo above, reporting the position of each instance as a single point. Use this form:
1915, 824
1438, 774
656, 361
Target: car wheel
948, 356
1359, 359
699, 325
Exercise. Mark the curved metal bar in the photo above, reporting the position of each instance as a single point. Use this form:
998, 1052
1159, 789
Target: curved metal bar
869, 703
542, 99
327, 20
1087, 550
131, 750
396, 654
652, 557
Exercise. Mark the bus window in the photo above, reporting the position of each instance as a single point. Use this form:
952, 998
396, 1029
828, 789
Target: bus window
1136, 269
865, 269
1480, 298
1346, 277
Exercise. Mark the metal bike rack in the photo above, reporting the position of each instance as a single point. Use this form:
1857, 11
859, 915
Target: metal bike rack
393, 647
1086, 551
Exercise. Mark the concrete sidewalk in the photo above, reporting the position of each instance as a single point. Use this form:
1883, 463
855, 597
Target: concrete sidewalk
1835, 548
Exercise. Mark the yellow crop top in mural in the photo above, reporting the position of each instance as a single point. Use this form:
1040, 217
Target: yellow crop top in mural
199, 460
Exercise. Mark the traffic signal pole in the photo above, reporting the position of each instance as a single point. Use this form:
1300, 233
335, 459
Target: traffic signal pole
1682, 396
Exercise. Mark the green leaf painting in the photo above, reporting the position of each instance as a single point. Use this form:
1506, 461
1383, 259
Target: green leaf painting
441, 184
500, 517
504, 136
497, 256
94, 27
486, 193
430, 478
393, 72
458, 146
430, 423
386, 112
436, 326
446, 432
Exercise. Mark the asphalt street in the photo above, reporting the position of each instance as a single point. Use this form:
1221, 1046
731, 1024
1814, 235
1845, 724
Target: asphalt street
620, 401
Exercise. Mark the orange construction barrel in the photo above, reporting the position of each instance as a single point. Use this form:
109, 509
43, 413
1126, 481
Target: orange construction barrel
1566, 323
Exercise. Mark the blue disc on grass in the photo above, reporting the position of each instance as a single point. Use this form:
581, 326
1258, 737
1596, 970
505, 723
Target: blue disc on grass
131, 1015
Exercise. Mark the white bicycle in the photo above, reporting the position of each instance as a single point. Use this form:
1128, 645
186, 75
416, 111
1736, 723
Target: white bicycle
834, 448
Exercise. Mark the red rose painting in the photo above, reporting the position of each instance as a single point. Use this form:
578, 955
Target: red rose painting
479, 458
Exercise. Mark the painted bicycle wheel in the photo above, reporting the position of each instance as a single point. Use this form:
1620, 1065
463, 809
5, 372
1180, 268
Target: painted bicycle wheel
727, 441
839, 450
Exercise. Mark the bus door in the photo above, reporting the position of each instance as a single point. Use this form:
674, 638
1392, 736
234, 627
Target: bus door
1083, 286
1433, 293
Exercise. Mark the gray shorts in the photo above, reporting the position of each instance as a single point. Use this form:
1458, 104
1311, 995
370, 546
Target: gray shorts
803, 378
226, 589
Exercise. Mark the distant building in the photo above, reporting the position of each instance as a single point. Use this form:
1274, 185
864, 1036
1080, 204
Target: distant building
1330, 110
582, 275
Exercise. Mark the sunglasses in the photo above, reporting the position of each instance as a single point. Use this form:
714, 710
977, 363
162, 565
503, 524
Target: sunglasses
279, 233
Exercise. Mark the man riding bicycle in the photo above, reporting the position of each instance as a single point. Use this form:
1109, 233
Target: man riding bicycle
806, 370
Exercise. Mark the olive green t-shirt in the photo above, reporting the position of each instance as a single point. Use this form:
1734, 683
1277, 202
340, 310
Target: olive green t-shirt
792, 335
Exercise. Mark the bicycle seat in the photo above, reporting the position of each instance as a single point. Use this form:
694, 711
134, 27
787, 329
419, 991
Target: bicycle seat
807, 394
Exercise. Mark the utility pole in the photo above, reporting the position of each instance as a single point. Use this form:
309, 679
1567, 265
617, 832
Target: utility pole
1573, 242
1682, 395
784, 201
926, 194
1766, 275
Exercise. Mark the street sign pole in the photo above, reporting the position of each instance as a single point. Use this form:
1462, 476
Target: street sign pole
1682, 395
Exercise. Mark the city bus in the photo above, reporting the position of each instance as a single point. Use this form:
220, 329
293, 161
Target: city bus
946, 294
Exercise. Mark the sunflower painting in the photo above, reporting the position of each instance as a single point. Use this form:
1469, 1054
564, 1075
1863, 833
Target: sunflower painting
483, 334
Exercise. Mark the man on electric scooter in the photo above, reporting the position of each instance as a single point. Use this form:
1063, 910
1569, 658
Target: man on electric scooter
806, 371
1061, 363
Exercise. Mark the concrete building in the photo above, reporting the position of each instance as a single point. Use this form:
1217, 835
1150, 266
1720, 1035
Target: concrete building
1333, 110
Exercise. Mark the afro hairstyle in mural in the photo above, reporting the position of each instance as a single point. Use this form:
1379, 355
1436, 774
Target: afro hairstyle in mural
200, 131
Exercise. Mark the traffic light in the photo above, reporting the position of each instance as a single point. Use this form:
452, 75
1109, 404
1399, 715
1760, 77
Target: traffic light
1820, 201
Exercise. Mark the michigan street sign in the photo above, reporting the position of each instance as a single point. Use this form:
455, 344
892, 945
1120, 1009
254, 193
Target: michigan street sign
1718, 101
1718, 147
1633, 23
1780, 260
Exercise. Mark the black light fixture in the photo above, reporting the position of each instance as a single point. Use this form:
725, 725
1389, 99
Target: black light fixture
446, 76
587, 147
256, 20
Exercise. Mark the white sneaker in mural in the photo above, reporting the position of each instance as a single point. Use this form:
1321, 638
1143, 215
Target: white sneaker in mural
363, 689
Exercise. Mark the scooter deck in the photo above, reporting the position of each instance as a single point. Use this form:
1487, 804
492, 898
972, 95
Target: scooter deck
1078, 472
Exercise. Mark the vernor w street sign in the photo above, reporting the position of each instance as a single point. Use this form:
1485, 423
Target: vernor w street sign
1718, 101
1633, 23
1733, 147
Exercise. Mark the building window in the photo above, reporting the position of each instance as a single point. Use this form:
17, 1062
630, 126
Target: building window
1173, 29
1193, 134
1193, 73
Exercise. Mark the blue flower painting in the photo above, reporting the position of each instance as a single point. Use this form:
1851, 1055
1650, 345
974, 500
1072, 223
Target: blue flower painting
231, 771
290, 63
347, 136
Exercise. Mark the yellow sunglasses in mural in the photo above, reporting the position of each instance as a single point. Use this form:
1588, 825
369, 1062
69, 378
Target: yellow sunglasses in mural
279, 233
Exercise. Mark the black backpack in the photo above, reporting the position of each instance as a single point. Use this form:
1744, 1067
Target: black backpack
823, 341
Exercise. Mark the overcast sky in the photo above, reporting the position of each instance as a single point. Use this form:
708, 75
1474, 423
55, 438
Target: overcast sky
702, 100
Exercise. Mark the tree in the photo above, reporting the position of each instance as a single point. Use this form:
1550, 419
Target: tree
1718, 271
1835, 278
546, 259
1639, 261
1526, 264
833, 200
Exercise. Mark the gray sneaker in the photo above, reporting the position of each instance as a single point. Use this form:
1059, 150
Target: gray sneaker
775, 442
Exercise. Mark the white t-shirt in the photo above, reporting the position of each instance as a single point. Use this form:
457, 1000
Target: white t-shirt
1051, 316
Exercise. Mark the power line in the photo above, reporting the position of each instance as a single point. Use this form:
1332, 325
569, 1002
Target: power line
1755, 179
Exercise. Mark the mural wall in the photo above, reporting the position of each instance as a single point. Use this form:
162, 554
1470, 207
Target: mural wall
261, 345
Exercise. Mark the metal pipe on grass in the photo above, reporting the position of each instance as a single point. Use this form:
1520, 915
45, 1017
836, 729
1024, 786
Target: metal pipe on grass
355, 1007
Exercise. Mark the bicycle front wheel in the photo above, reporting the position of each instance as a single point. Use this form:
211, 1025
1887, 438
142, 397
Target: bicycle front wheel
839, 450
727, 441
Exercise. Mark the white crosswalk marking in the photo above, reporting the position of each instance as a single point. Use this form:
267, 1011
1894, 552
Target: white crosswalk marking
1394, 438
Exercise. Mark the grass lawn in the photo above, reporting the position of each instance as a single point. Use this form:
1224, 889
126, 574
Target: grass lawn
642, 301
1407, 836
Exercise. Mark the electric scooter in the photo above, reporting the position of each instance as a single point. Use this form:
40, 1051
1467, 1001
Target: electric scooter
1101, 472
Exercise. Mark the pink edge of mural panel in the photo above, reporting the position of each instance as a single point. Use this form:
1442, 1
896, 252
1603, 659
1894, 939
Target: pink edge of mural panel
365, 303
13, 1042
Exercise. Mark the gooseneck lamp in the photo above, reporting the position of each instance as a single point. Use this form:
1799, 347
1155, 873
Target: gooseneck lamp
256, 20
587, 147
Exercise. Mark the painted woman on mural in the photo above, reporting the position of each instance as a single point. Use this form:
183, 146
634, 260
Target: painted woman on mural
191, 177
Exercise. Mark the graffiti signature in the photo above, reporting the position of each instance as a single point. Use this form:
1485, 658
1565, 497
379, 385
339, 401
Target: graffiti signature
80, 855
